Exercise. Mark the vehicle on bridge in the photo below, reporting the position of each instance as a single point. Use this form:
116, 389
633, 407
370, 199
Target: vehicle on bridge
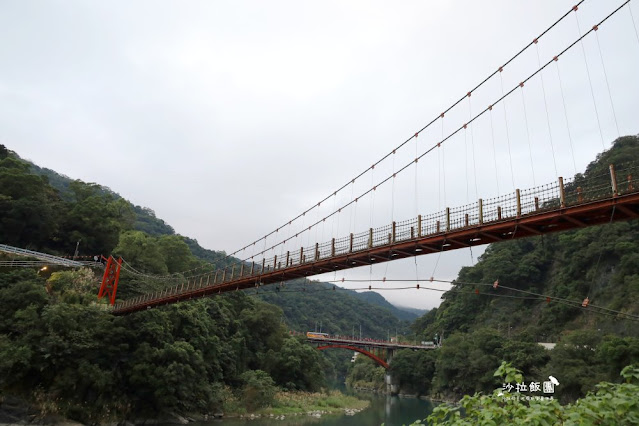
316, 335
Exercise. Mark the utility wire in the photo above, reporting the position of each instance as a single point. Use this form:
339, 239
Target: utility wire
531, 295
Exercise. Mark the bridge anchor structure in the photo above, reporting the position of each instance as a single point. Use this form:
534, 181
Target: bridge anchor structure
110, 279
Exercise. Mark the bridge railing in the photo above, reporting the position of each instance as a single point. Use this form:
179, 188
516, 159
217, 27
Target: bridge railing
628, 179
550, 196
515, 204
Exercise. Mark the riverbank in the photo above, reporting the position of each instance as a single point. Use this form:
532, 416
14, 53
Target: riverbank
304, 403
285, 404
17, 411
439, 398
390, 410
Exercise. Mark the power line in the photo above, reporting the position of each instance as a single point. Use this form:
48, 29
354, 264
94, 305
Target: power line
531, 295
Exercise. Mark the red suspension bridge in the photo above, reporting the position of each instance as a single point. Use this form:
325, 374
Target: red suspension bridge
563, 204
550, 208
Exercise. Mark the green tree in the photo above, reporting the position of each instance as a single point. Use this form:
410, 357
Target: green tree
258, 390
464, 362
616, 352
414, 370
141, 251
28, 206
176, 254
611, 404
95, 219
295, 365
574, 359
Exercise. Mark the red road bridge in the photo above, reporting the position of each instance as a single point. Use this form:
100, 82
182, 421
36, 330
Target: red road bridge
380, 351
558, 206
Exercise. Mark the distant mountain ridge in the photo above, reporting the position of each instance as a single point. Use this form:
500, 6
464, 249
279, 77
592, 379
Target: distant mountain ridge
312, 305
146, 221
403, 313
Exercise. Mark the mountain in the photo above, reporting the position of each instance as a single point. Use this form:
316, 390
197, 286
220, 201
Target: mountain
145, 219
309, 304
601, 263
79, 203
403, 313
416, 311
480, 326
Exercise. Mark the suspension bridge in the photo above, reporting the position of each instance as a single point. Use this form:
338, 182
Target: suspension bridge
550, 208
566, 203
560, 204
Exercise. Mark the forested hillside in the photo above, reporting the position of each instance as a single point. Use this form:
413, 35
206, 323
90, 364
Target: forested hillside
156, 243
403, 313
64, 352
482, 326
600, 262
306, 304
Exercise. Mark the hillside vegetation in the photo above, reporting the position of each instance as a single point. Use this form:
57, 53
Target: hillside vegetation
480, 329
306, 304
600, 262
105, 223
68, 355
64, 352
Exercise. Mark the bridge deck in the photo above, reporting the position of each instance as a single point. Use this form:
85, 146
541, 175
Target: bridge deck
370, 343
552, 208
43, 258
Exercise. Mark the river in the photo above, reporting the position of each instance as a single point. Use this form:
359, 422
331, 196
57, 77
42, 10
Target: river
390, 410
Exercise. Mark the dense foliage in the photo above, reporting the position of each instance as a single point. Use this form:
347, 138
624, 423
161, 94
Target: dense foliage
307, 303
58, 347
610, 404
65, 352
481, 330
464, 362
364, 373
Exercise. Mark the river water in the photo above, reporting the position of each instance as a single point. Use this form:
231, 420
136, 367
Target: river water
390, 410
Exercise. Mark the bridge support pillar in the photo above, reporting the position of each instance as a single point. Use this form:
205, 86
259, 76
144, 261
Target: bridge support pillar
392, 386
109, 285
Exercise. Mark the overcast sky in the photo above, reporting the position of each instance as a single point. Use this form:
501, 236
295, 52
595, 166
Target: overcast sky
230, 118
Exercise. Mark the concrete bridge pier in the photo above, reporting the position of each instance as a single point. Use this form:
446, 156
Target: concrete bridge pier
392, 386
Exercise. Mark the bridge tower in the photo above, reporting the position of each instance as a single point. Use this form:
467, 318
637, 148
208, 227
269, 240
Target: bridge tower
110, 279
